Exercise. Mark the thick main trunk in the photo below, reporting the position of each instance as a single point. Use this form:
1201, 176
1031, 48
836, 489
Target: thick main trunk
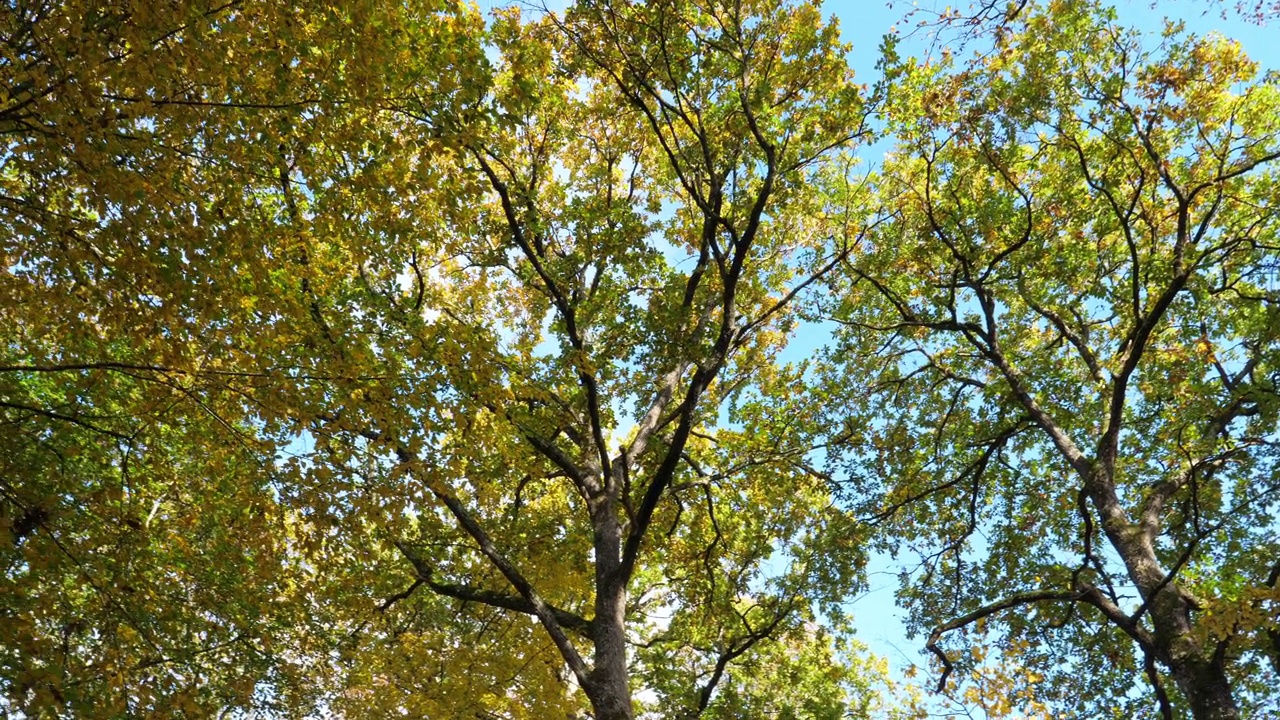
1205, 685
1199, 676
610, 688
611, 703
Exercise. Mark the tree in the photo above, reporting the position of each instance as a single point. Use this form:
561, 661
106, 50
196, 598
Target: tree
347, 367
1260, 12
1070, 330
150, 291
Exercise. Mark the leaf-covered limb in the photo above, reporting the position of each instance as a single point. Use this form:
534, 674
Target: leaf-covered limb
736, 649
426, 575
1013, 601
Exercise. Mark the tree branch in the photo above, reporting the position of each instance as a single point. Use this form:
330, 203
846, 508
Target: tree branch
426, 576
1012, 601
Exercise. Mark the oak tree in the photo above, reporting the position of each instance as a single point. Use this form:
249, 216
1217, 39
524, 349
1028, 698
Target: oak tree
370, 358
1068, 332
153, 286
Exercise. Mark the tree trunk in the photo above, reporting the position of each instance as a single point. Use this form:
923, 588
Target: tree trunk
1199, 676
1205, 685
1197, 673
610, 686
611, 703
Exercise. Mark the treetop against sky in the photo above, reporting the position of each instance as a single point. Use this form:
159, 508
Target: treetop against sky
409, 358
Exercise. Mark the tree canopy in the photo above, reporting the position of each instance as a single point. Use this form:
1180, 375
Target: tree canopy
378, 358
1073, 316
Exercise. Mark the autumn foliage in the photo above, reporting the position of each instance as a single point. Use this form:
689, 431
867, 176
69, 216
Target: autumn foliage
393, 358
